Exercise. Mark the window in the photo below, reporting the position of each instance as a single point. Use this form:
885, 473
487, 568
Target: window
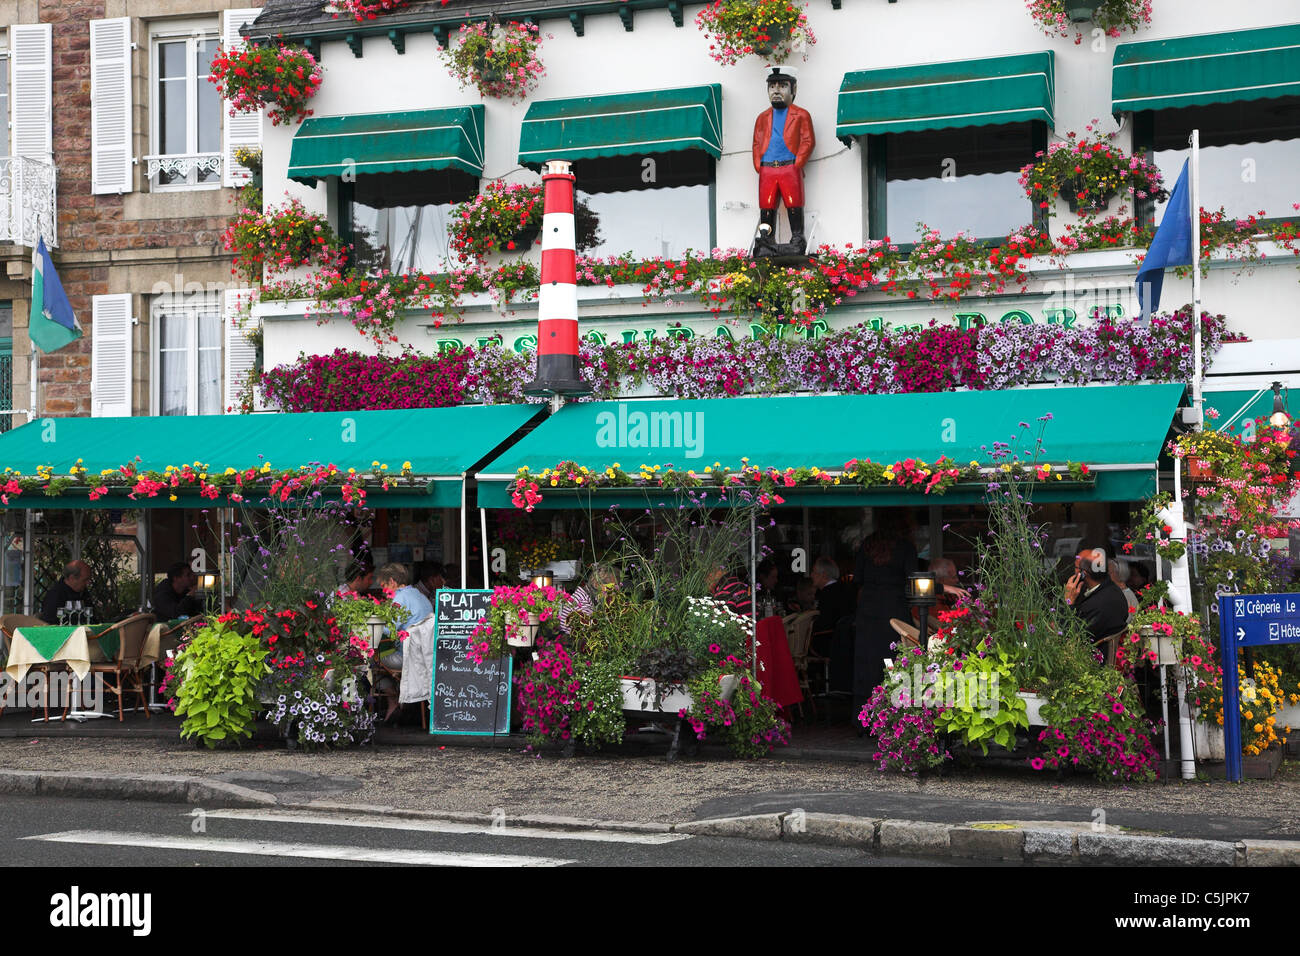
659, 205
1250, 152
400, 221
186, 112
187, 331
952, 180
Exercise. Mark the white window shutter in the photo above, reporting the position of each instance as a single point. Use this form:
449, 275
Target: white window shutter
110, 106
110, 356
244, 128
29, 89
241, 354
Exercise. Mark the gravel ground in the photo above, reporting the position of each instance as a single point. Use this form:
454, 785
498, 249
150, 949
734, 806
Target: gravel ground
644, 787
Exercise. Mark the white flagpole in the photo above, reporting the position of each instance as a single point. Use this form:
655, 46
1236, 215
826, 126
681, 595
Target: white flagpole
1198, 373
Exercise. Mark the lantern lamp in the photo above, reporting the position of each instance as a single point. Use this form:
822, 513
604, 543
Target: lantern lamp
922, 593
543, 579
1279, 418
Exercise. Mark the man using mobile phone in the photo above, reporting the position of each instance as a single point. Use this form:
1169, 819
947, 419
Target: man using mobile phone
1094, 596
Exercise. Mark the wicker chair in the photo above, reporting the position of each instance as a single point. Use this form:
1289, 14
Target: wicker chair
799, 628
125, 666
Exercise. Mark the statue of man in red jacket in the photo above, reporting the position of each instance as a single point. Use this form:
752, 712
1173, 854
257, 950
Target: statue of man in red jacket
779, 159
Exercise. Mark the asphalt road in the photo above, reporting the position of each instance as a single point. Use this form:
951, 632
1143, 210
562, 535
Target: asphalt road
103, 833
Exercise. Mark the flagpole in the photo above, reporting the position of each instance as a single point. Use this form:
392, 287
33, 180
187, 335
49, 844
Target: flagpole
1198, 372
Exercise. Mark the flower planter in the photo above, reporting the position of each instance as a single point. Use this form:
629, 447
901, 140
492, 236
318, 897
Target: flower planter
639, 696
1199, 469
779, 38
1165, 647
1081, 11
1090, 204
1033, 708
1208, 742
525, 634
523, 241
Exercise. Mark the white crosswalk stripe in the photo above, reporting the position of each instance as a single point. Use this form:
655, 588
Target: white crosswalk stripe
304, 850
325, 818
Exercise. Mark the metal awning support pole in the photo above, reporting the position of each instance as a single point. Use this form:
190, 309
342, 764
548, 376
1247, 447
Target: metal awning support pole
753, 587
29, 526
221, 559
464, 536
482, 518
146, 575
1180, 593
29, 555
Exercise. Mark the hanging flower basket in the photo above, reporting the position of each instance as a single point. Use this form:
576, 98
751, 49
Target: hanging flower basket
775, 30
1088, 172
1199, 469
1059, 17
280, 79
500, 60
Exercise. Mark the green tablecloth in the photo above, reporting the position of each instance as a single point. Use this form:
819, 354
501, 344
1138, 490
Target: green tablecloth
48, 639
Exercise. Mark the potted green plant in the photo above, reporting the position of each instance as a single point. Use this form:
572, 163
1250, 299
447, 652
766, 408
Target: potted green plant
1206, 453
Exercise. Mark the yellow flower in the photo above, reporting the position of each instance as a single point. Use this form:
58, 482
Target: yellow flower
1259, 728
406, 466
266, 468
383, 467
708, 470
229, 471
172, 497
615, 465
837, 481
554, 482
1047, 468
888, 476
203, 476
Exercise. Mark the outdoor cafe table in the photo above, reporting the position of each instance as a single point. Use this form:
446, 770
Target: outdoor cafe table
69, 645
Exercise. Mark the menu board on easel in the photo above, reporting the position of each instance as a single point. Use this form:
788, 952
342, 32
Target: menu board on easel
466, 698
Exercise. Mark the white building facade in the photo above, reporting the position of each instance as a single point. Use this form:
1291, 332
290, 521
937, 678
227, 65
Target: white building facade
1006, 87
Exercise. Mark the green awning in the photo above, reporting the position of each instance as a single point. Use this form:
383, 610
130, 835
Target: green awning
1213, 68
1003, 89
388, 143
441, 444
623, 124
827, 431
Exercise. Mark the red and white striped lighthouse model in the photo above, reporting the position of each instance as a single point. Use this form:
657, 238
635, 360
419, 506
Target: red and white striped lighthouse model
557, 300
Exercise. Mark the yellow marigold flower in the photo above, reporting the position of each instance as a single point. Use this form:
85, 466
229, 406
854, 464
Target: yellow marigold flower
1248, 715
171, 497
406, 466
1259, 728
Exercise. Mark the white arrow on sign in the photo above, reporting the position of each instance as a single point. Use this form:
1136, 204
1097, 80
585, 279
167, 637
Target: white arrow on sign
1241, 633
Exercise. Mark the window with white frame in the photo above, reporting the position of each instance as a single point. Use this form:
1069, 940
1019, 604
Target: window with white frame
186, 110
187, 332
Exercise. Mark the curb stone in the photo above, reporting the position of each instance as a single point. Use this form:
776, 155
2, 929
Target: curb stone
902, 837
982, 844
762, 826
914, 836
1270, 853
1050, 846
1155, 851
834, 829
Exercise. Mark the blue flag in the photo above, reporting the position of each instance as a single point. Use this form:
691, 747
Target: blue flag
51, 323
1172, 246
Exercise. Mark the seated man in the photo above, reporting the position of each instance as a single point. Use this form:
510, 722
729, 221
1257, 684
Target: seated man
1094, 596
172, 598
70, 590
835, 601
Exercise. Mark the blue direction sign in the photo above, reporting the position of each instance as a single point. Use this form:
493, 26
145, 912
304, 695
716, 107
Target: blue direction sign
1250, 620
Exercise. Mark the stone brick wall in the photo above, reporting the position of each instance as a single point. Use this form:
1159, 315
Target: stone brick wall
140, 243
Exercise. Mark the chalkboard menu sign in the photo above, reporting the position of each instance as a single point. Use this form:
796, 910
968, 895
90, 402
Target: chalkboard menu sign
466, 698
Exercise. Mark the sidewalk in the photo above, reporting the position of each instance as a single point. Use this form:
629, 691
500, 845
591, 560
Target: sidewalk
645, 787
